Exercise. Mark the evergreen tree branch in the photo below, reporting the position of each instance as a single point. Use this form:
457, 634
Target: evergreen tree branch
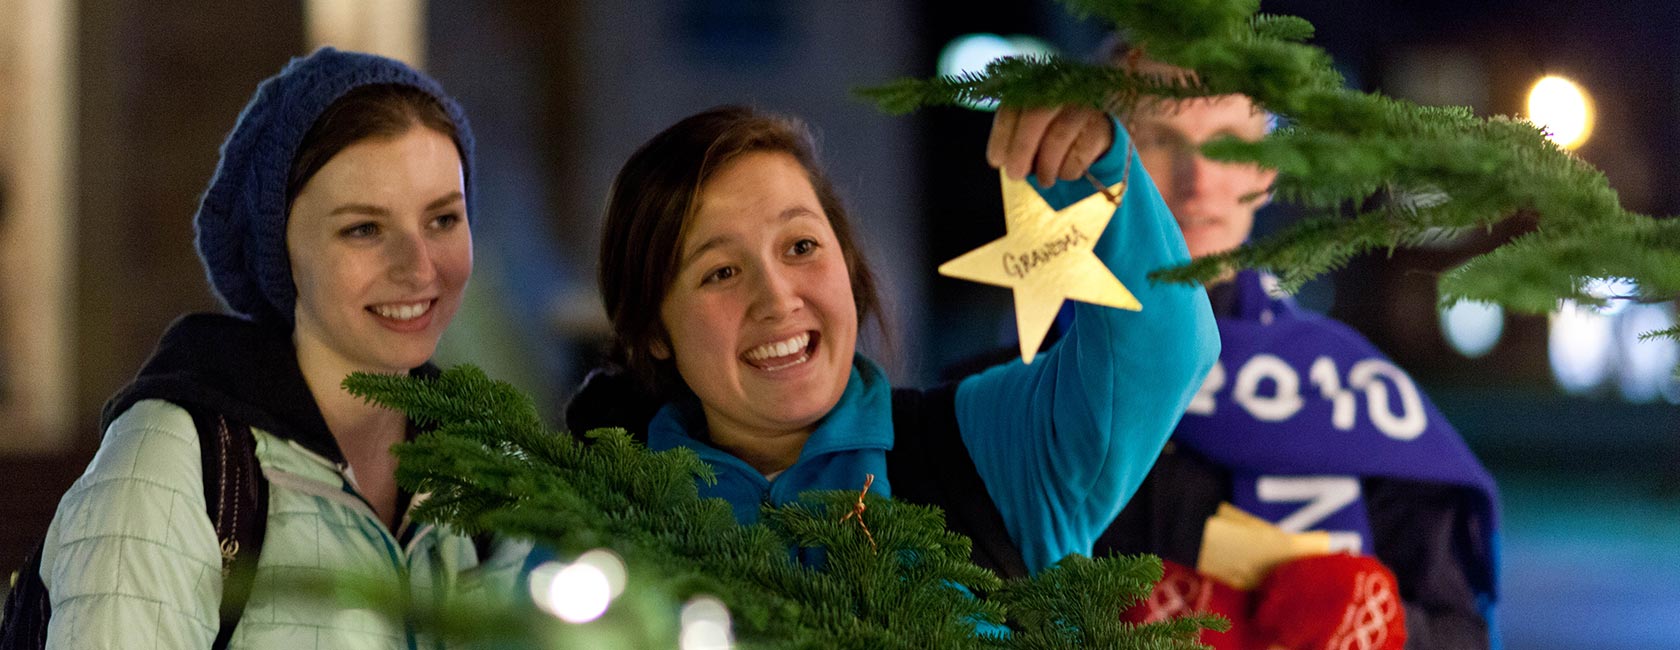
490, 465
1372, 172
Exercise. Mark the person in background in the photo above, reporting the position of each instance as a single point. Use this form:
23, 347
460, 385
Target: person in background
336, 233
736, 290
1306, 425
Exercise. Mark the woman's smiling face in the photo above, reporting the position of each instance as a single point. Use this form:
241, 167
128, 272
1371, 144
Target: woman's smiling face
381, 251
760, 317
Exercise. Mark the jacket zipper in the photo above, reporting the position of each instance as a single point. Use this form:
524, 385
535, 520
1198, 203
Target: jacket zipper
347, 495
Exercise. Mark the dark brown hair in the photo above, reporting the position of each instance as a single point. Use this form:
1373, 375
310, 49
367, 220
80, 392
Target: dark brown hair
654, 195
374, 111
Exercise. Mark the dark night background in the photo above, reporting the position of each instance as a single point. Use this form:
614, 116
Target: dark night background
560, 93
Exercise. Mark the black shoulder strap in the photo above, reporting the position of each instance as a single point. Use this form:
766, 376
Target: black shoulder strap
236, 496
930, 465
23, 624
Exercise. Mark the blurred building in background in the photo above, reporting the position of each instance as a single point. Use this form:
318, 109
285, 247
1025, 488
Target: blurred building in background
111, 112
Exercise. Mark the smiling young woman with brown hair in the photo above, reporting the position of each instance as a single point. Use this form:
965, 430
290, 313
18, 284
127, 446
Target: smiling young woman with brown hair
736, 290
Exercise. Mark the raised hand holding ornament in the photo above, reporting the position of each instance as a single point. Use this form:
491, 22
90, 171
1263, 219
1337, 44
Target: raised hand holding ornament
1048, 255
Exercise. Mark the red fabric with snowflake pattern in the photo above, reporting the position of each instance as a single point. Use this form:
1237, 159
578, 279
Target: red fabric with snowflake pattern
1183, 591
1331, 602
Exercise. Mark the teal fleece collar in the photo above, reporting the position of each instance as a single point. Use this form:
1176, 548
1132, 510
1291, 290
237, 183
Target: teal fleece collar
862, 419
849, 444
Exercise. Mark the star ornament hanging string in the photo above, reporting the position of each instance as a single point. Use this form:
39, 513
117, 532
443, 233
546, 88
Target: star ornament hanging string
1048, 256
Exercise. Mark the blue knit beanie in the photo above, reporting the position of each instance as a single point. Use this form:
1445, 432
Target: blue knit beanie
241, 221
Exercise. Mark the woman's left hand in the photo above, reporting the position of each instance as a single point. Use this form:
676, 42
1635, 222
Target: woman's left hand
1051, 142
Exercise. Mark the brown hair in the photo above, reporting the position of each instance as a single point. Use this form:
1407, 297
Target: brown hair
654, 195
373, 111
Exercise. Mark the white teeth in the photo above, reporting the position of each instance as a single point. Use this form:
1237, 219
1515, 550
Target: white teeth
403, 312
802, 359
779, 348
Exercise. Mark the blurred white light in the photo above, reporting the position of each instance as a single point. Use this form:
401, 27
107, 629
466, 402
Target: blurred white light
610, 566
1030, 46
1647, 367
971, 52
705, 625
1618, 293
576, 593
1580, 345
1473, 328
1563, 109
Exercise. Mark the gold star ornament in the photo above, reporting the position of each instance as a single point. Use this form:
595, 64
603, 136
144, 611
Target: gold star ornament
1048, 256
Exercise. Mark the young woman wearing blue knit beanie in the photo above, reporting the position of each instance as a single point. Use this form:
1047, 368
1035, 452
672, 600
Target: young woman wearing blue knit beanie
336, 233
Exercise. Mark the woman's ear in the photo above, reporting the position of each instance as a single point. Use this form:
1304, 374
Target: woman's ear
660, 349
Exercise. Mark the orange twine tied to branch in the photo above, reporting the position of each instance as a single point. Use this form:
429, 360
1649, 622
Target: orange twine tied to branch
857, 511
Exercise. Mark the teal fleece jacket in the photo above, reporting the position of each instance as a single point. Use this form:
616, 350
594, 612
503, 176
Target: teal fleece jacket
1062, 443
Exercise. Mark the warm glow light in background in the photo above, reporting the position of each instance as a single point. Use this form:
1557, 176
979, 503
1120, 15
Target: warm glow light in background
1563, 109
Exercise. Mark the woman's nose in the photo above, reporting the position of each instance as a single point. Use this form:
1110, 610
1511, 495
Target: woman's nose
776, 294
410, 261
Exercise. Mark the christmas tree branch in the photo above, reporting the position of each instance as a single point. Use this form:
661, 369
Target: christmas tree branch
1372, 172
883, 575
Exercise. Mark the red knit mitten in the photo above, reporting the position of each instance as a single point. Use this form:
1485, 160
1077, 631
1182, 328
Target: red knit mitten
1183, 591
1331, 602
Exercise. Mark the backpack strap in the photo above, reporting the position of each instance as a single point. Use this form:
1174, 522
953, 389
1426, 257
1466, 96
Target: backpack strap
929, 464
23, 624
236, 497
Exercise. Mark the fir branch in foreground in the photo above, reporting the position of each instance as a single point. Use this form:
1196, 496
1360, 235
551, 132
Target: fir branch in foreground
1027, 81
1068, 603
491, 466
1670, 333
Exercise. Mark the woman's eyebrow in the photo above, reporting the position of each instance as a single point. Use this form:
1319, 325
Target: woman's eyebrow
713, 242
360, 208
719, 240
382, 211
444, 200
